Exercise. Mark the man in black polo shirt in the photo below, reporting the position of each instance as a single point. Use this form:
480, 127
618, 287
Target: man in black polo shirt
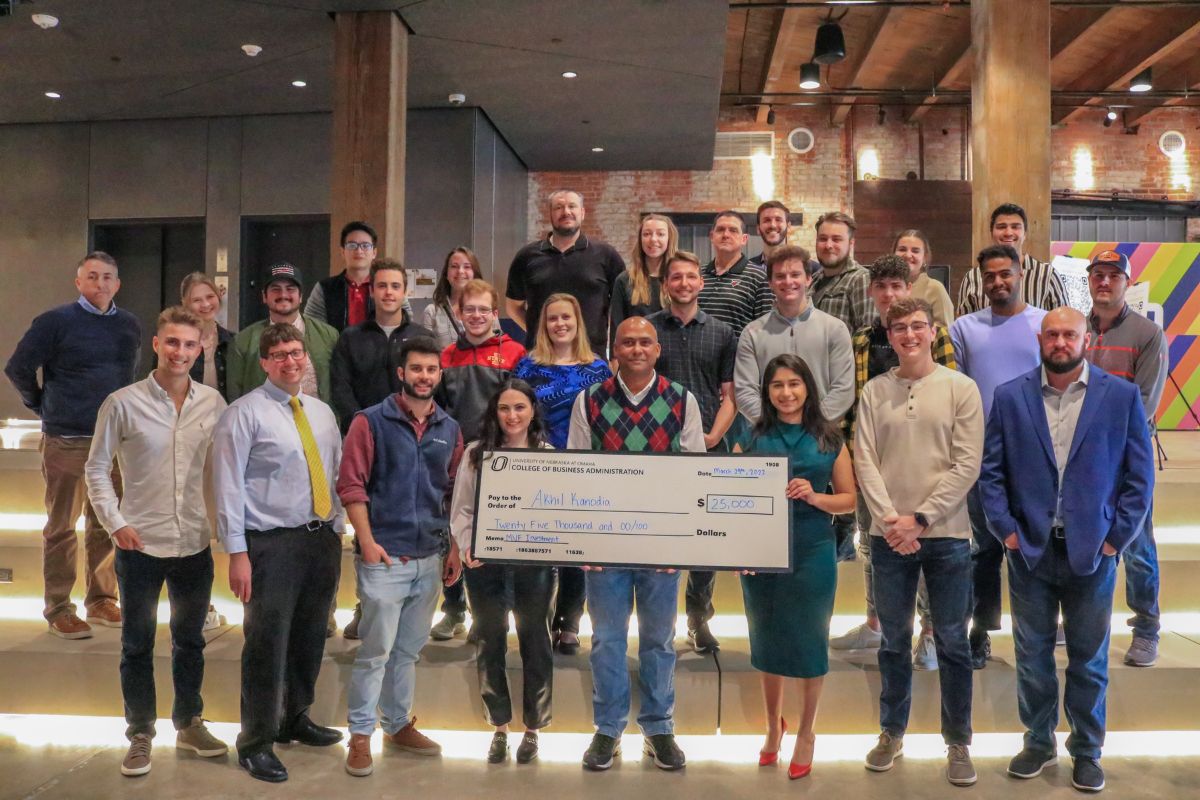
565, 261
735, 291
698, 352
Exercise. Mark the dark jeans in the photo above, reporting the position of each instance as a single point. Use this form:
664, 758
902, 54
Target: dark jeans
454, 601
987, 560
698, 598
533, 606
1086, 601
844, 526
571, 595
189, 589
1141, 582
293, 574
946, 565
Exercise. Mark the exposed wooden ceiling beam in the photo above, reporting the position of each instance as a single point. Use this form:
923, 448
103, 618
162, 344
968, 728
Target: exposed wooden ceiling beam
1068, 28
784, 38
951, 75
1185, 76
1169, 32
862, 59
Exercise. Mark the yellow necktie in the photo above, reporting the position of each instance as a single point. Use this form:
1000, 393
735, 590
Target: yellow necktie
322, 504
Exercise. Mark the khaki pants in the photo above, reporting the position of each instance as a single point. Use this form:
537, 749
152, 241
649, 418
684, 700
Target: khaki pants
62, 467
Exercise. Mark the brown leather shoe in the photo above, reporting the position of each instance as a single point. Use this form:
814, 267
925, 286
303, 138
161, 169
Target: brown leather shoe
358, 757
410, 739
69, 626
106, 613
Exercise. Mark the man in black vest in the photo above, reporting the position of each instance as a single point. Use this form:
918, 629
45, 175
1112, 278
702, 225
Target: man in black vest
345, 299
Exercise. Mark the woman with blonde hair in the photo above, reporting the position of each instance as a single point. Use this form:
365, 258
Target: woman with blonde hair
199, 294
559, 367
638, 290
913, 247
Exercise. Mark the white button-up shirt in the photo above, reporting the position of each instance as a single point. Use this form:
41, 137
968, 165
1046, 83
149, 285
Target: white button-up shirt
162, 456
260, 474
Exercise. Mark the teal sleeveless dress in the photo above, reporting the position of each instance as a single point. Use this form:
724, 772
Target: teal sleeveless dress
789, 613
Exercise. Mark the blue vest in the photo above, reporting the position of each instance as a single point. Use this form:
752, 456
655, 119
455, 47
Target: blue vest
409, 480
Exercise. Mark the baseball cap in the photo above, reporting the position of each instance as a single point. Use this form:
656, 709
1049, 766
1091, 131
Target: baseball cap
1111, 258
284, 271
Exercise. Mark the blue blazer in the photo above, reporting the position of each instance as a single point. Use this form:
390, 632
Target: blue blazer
1107, 484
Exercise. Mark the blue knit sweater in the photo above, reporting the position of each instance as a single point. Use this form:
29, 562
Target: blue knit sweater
84, 357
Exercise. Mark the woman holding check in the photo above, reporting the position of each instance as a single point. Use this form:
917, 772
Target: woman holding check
788, 613
512, 420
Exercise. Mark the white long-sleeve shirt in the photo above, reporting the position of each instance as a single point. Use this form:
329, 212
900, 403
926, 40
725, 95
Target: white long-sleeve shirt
162, 456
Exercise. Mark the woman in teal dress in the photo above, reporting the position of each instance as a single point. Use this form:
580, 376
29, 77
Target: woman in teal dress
789, 613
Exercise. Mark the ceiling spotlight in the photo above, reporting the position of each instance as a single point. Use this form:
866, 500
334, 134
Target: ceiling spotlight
1142, 82
831, 43
251, 50
597, 149
299, 84
568, 74
770, 116
45, 21
1112, 115
54, 95
1108, 120
810, 76
882, 115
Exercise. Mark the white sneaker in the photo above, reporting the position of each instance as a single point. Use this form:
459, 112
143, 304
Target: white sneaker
213, 620
925, 653
860, 637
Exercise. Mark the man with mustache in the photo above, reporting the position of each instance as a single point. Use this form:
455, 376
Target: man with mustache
1067, 478
1040, 284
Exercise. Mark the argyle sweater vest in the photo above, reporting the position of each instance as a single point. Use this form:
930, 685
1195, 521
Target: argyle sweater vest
654, 425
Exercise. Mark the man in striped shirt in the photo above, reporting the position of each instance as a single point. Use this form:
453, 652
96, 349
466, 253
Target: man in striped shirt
735, 291
1041, 286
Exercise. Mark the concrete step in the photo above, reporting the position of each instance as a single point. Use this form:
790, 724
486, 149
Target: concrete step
40, 674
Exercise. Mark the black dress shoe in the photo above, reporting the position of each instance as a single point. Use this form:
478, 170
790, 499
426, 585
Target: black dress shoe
498, 752
528, 749
264, 766
305, 731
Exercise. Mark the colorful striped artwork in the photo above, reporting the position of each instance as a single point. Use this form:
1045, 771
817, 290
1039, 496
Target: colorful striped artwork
1173, 271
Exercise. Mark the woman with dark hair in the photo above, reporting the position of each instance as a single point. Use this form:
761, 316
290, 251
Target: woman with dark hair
559, 367
442, 315
638, 290
913, 247
512, 420
789, 613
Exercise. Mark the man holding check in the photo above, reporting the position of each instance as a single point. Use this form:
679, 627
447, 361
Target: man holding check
636, 410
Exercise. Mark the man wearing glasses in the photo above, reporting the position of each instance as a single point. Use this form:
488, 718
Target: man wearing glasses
284, 286
344, 299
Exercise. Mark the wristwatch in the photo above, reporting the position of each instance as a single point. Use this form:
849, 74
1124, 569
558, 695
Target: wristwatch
922, 520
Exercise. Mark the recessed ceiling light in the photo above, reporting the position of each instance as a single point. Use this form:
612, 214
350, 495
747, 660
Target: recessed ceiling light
299, 84
569, 74
53, 95
45, 21
251, 49
597, 149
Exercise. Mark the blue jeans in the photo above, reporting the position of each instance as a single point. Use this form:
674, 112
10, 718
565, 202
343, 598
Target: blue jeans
1086, 602
1141, 582
610, 599
946, 565
397, 609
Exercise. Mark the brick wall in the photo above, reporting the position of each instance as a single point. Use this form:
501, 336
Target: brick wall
821, 180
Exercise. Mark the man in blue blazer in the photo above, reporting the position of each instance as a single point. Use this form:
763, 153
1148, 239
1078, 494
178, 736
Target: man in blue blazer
1067, 479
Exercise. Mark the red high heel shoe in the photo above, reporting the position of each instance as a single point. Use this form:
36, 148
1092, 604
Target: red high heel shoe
798, 771
766, 759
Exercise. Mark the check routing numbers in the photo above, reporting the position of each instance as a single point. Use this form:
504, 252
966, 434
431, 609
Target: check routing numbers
633, 509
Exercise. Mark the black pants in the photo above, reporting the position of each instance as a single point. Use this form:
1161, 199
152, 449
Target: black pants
454, 601
986, 562
533, 606
294, 573
571, 595
698, 597
189, 589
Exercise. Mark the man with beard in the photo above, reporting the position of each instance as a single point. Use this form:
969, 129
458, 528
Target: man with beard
275, 458
1129, 346
282, 291
842, 286
401, 457
565, 261
1067, 478
993, 346
1040, 284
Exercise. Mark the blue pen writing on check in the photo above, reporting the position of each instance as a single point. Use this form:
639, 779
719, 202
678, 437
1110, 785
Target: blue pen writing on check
545, 499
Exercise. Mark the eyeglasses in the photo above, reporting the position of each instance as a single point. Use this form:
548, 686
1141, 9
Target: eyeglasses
899, 329
477, 311
294, 355
354, 247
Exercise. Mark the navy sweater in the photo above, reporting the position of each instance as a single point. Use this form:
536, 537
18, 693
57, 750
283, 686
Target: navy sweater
84, 357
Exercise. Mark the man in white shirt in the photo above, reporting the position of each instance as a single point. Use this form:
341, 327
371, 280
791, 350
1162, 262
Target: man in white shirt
275, 461
159, 430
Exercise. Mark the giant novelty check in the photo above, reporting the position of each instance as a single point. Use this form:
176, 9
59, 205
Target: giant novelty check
633, 510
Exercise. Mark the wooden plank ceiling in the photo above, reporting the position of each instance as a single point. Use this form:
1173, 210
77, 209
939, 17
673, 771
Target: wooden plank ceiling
926, 51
